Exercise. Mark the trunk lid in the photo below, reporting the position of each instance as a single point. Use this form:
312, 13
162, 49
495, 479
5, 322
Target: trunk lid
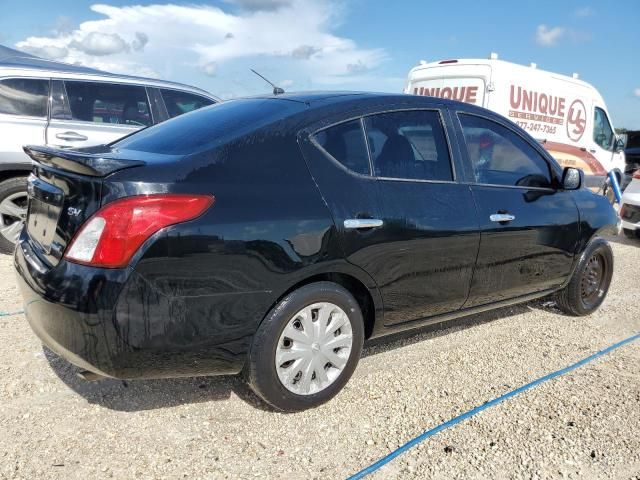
65, 189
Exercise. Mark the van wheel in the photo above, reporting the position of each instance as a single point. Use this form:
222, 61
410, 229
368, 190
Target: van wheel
13, 211
306, 348
590, 281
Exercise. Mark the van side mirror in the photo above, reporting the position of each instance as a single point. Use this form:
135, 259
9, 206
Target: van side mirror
619, 146
572, 178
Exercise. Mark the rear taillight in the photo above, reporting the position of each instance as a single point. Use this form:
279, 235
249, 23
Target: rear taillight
113, 234
636, 175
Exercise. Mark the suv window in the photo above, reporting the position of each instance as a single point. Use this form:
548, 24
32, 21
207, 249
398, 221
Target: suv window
345, 142
107, 103
409, 145
178, 102
24, 96
500, 157
602, 131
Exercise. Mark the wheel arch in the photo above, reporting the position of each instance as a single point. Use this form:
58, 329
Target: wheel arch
355, 281
8, 171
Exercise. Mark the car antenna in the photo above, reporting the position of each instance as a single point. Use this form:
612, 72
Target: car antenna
276, 90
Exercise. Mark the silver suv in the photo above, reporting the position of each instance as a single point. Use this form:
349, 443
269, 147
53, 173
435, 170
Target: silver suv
62, 105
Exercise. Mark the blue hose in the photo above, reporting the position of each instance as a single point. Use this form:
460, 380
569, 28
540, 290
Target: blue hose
10, 314
491, 403
613, 180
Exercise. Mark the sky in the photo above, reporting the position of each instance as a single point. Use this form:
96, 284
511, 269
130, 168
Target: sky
333, 44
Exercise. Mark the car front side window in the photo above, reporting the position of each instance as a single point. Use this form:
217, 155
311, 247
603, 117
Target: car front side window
499, 156
602, 131
24, 96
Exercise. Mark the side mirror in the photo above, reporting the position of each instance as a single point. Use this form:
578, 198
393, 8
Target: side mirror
572, 178
619, 146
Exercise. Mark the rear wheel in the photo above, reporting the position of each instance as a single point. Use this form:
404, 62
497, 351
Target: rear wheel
307, 347
590, 282
13, 211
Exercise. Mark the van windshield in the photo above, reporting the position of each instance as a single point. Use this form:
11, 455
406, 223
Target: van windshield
205, 128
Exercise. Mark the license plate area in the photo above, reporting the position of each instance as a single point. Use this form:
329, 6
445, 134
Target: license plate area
45, 206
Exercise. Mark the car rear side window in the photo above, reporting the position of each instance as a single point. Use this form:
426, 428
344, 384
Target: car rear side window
24, 96
108, 103
500, 157
178, 102
346, 143
409, 145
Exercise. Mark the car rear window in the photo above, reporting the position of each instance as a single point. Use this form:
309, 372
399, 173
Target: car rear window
204, 128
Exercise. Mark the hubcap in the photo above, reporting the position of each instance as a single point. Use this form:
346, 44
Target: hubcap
13, 211
314, 348
592, 279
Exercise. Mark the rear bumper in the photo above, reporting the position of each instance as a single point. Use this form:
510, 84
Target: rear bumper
114, 323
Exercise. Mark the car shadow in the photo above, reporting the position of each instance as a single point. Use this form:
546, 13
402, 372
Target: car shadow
139, 395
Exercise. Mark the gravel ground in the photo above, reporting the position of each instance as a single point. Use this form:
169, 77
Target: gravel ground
585, 424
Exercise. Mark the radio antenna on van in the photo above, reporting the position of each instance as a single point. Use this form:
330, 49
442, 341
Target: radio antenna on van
276, 90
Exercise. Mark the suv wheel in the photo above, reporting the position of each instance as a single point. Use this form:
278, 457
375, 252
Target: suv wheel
590, 281
307, 347
13, 211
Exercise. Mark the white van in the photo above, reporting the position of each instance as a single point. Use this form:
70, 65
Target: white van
568, 116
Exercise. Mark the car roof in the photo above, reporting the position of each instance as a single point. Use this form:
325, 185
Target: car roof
335, 98
17, 60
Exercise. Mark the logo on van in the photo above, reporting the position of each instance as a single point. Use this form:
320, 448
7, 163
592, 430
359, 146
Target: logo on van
576, 120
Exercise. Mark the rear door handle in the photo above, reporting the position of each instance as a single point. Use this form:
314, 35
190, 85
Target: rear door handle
362, 223
71, 137
501, 217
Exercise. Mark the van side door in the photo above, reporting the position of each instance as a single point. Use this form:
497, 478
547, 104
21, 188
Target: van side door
529, 226
86, 113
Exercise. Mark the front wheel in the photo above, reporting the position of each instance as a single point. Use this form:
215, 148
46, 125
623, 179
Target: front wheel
307, 347
590, 281
13, 211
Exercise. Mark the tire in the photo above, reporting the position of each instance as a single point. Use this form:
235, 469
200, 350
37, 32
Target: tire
13, 209
277, 384
631, 233
590, 281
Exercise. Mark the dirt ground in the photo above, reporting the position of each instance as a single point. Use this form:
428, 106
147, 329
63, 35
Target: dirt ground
585, 424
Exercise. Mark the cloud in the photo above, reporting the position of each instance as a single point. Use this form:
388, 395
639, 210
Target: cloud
288, 38
636, 92
141, 40
548, 37
584, 12
50, 52
210, 69
268, 5
97, 43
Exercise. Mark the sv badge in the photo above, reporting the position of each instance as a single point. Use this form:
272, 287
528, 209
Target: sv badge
73, 212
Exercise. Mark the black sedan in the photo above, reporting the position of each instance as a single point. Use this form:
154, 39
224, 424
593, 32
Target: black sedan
273, 236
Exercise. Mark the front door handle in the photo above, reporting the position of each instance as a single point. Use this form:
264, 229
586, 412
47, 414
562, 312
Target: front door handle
501, 217
71, 137
362, 223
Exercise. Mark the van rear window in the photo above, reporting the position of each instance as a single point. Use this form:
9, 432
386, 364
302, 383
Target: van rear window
208, 127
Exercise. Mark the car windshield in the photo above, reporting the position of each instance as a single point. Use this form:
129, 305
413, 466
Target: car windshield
204, 128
